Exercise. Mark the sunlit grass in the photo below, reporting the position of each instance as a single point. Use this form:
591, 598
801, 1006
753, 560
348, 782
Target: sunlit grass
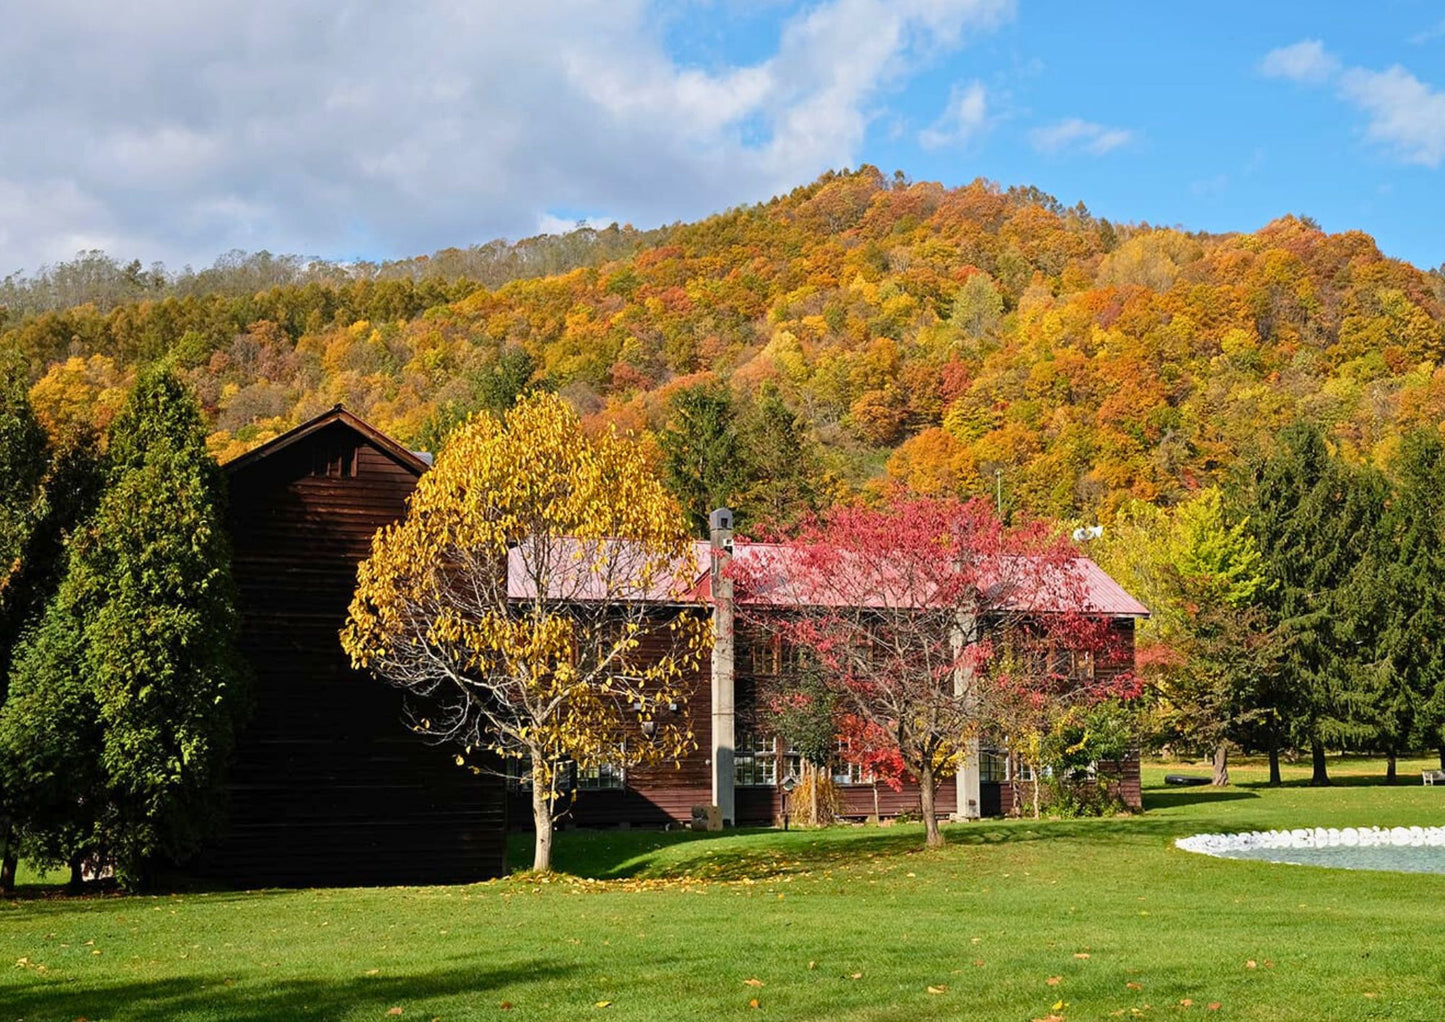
1010, 920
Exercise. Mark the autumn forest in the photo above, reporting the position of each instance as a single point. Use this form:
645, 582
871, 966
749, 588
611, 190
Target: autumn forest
857, 332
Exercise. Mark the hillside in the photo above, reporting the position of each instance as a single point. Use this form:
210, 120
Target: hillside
920, 334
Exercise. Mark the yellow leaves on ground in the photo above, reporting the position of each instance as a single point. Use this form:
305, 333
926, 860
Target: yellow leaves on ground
753, 982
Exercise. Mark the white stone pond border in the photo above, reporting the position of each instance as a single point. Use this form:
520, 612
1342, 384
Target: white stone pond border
1317, 837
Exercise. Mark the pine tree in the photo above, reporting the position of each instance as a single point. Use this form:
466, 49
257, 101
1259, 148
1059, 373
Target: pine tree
1409, 694
128, 695
23, 456
782, 462
704, 457
1314, 520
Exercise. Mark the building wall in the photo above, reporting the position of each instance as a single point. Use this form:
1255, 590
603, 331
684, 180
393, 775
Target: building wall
328, 786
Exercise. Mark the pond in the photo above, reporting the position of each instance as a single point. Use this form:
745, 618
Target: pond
1397, 849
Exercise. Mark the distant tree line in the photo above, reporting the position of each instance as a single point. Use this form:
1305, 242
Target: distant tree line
99, 279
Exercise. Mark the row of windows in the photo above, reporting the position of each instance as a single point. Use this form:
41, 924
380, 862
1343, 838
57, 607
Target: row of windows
599, 777
777, 656
756, 761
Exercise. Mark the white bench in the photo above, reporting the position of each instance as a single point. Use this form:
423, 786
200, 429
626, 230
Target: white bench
1433, 777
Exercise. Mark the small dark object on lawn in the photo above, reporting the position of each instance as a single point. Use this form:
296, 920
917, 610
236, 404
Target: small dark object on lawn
1184, 780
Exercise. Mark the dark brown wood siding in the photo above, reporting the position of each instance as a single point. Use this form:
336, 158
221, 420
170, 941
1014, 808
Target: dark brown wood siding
328, 786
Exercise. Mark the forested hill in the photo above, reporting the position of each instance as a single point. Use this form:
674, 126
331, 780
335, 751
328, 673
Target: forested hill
855, 330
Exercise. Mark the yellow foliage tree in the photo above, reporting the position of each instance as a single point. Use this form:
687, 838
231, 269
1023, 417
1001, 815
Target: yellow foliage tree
529, 604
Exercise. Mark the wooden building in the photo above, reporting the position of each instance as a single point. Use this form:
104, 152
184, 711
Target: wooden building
741, 766
327, 786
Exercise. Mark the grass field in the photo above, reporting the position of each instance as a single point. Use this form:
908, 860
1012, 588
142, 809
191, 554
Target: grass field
1013, 920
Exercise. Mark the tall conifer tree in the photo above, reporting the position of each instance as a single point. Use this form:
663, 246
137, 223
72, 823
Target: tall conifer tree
128, 696
1314, 521
1410, 689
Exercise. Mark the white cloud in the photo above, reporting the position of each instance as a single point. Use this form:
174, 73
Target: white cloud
964, 119
1077, 135
176, 131
1305, 61
1405, 114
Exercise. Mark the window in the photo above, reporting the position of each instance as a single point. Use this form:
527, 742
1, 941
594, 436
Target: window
602, 777
519, 774
763, 653
845, 772
334, 460
755, 761
770, 655
992, 766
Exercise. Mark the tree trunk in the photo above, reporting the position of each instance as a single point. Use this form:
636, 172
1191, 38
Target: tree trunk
8, 858
1390, 777
876, 817
1320, 778
814, 775
1442, 757
1274, 778
1221, 765
542, 820
77, 880
1037, 784
930, 814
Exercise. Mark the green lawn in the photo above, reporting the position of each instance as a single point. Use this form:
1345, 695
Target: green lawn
1010, 921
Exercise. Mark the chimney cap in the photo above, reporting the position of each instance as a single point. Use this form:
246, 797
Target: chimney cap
720, 520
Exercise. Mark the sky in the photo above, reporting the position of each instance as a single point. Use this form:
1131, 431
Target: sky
367, 129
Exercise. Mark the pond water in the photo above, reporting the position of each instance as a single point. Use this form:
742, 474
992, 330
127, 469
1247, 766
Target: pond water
1396, 849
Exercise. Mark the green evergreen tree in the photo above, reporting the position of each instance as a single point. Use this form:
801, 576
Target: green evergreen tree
23, 457
1314, 520
1409, 588
705, 460
128, 695
782, 461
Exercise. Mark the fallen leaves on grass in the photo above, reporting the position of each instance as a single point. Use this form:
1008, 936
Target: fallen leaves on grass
393, 1011
1054, 981
1082, 954
1134, 986
942, 988
603, 1004
856, 975
754, 1003
1214, 1005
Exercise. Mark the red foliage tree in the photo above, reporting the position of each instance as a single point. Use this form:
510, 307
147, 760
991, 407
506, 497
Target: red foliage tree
901, 606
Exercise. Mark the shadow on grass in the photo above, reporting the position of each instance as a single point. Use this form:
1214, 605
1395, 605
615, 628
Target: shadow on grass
257, 998
1168, 798
756, 853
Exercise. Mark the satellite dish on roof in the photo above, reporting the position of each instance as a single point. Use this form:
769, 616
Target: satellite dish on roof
1088, 532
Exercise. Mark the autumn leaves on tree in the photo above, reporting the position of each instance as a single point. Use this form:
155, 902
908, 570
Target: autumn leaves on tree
527, 605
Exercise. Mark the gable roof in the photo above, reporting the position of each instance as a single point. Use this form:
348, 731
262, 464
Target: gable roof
409, 460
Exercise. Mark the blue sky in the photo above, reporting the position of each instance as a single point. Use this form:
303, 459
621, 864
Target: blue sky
357, 128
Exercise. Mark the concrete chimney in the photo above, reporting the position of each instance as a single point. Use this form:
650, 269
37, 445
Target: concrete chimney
723, 713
